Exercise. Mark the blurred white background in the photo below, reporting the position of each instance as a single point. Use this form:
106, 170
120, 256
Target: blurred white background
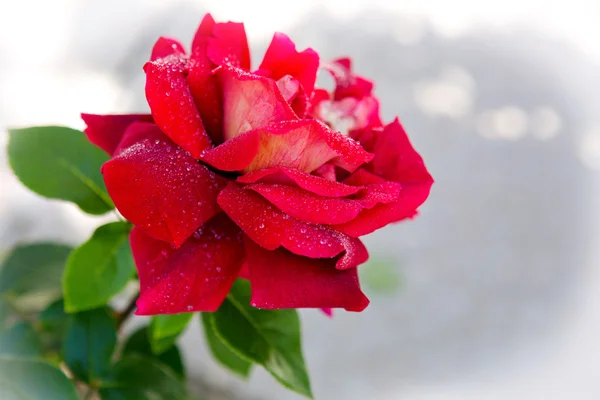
500, 285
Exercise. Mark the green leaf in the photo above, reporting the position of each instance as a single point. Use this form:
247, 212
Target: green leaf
165, 329
270, 338
222, 353
54, 315
27, 379
33, 272
20, 340
7, 314
139, 343
89, 344
53, 322
142, 378
59, 163
99, 269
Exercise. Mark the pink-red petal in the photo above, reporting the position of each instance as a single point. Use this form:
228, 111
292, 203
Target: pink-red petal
294, 94
304, 145
226, 43
347, 83
206, 90
160, 188
395, 160
318, 96
306, 206
172, 104
375, 189
229, 45
250, 101
369, 220
164, 47
204, 31
195, 277
280, 279
295, 144
270, 228
312, 183
328, 312
282, 58
349, 114
106, 131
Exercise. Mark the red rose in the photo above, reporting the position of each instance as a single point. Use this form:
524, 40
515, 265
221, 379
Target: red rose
254, 174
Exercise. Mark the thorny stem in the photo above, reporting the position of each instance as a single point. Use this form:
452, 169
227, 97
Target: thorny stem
126, 313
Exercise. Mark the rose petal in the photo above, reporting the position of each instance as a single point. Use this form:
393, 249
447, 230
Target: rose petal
294, 94
289, 87
172, 104
223, 43
250, 101
233, 155
380, 193
312, 183
244, 272
303, 144
229, 45
160, 188
306, 206
375, 189
206, 90
204, 31
318, 96
164, 47
280, 279
271, 228
326, 171
355, 252
349, 114
296, 144
282, 58
369, 220
367, 137
396, 160
138, 132
106, 131
328, 312
347, 83
195, 277
203, 82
